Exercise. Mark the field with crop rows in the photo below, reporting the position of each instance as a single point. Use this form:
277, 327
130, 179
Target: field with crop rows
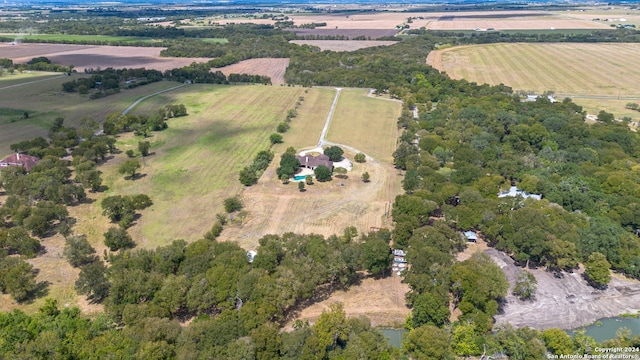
593, 69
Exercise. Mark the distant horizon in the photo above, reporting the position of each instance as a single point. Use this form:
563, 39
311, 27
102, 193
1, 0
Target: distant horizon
27, 3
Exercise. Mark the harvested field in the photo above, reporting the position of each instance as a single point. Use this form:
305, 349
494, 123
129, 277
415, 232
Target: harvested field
343, 45
271, 67
553, 66
88, 56
381, 300
607, 15
565, 303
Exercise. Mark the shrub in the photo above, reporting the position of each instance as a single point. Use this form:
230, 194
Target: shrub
360, 157
275, 139
322, 173
233, 204
282, 127
334, 153
116, 238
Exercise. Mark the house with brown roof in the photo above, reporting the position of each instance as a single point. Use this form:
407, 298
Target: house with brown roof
17, 159
312, 162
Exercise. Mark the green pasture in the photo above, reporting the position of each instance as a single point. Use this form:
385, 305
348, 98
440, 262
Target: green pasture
195, 163
44, 101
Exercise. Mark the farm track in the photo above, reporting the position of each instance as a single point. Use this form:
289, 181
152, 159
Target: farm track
31, 82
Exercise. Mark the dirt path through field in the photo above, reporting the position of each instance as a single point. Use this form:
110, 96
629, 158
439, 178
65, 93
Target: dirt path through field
130, 107
31, 82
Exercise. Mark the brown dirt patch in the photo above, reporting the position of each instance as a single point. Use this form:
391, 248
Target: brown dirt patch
381, 300
271, 67
343, 45
472, 247
88, 56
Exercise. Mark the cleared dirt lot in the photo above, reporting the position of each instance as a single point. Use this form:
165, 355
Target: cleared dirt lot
271, 67
381, 300
343, 45
566, 303
88, 56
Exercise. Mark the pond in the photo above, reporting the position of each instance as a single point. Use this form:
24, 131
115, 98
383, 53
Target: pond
605, 329
394, 336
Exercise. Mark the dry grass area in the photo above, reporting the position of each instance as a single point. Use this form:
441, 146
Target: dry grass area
195, 163
343, 45
502, 20
381, 300
327, 208
566, 68
616, 107
271, 67
307, 126
604, 14
365, 123
463, 20
89, 56
324, 208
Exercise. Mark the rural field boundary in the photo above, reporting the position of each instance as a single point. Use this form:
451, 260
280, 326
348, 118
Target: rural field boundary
135, 103
31, 82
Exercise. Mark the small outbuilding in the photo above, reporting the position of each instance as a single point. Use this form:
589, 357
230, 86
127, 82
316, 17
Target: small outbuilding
471, 236
514, 192
251, 255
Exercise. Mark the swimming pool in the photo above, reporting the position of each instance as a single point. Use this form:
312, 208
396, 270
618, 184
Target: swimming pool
299, 177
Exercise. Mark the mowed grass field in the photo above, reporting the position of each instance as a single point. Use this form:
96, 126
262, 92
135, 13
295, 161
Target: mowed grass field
574, 68
307, 126
362, 122
195, 163
41, 95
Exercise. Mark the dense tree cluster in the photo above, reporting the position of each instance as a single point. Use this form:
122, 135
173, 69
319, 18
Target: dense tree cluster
108, 81
237, 306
